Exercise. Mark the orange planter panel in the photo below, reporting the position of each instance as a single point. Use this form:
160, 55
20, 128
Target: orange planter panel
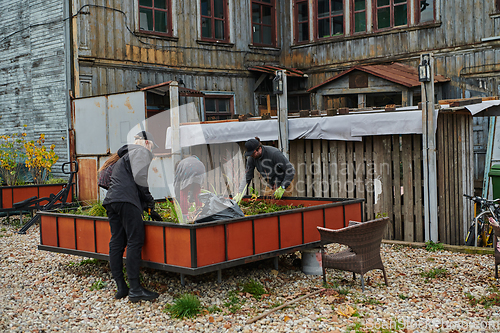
85, 235
239, 240
153, 250
66, 228
291, 230
312, 219
210, 245
24, 192
103, 235
46, 190
6, 197
178, 247
334, 217
48, 229
353, 213
266, 234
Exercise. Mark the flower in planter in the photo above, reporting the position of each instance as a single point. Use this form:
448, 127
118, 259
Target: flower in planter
11, 156
39, 159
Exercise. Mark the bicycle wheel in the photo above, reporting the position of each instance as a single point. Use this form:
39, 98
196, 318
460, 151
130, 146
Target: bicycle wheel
471, 234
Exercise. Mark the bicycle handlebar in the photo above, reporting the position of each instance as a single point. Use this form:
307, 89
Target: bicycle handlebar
481, 200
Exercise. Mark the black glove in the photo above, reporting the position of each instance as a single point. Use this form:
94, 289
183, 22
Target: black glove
154, 215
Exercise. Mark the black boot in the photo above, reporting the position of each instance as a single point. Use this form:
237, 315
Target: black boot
138, 293
122, 289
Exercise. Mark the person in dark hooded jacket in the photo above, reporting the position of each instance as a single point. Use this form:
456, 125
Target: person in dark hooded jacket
127, 196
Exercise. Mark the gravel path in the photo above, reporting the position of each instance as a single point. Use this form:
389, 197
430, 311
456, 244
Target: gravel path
42, 291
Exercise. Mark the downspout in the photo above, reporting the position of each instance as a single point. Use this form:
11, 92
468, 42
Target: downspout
67, 69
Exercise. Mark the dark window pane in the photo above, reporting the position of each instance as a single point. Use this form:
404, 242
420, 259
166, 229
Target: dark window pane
338, 25
147, 3
255, 13
205, 8
359, 22
223, 105
256, 34
426, 10
210, 105
268, 35
305, 102
268, 1
323, 9
303, 32
160, 21
337, 5
219, 29
359, 5
302, 12
324, 28
383, 2
146, 19
400, 1
219, 8
266, 15
400, 16
384, 18
293, 104
206, 27
162, 4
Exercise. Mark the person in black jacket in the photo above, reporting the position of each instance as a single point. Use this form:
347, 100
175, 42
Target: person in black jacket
273, 166
128, 195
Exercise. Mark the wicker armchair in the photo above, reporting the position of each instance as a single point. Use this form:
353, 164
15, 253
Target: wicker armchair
363, 255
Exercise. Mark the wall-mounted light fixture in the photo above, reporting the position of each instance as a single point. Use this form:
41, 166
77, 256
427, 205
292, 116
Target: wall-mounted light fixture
278, 83
424, 69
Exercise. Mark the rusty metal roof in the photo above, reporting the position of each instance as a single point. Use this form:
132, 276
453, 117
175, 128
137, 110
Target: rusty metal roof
271, 69
395, 72
162, 89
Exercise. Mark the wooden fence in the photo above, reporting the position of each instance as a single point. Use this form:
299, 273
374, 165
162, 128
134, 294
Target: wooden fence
384, 170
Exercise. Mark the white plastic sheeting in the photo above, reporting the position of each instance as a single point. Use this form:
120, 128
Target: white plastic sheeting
342, 127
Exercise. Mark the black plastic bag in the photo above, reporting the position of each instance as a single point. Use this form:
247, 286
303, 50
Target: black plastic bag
218, 208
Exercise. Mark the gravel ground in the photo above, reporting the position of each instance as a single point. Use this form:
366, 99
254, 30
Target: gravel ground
42, 291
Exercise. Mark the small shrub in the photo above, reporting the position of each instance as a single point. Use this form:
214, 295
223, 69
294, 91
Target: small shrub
255, 288
97, 209
187, 305
433, 247
98, 285
434, 273
233, 303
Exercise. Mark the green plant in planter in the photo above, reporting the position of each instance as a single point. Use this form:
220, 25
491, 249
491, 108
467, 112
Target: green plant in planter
39, 159
11, 156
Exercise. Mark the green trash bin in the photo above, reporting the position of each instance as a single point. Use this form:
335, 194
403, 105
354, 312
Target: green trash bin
494, 174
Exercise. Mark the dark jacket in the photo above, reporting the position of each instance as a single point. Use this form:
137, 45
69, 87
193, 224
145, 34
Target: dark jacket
189, 171
129, 180
274, 167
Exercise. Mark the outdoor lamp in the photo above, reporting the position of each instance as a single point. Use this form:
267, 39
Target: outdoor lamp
278, 84
424, 70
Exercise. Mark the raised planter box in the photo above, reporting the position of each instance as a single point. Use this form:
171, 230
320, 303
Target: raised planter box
9, 195
200, 248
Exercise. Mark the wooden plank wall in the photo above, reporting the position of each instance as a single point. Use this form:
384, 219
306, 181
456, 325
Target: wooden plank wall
384, 170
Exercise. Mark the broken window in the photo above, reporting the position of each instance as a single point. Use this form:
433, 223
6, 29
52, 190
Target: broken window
301, 21
330, 18
391, 13
214, 20
425, 11
154, 16
263, 22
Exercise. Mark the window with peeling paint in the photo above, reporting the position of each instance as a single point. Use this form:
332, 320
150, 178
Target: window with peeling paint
214, 23
301, 21
263, 22
359, 16
155, 16
330, 18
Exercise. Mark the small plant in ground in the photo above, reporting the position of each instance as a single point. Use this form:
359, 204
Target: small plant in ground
89, 261
255, 288
434, 273
98, 285
492, 299
233, 303
343, 291
213, 309
430, 259
433, 247
403, 297
187, 305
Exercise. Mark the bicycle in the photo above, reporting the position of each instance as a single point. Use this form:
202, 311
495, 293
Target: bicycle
480, 225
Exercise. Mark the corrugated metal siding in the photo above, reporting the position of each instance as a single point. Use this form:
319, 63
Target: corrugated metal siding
33, 87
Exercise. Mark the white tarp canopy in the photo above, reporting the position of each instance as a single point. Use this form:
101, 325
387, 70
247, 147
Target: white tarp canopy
349, 127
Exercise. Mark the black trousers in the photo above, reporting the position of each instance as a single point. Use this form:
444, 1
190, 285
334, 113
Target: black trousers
127, 230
